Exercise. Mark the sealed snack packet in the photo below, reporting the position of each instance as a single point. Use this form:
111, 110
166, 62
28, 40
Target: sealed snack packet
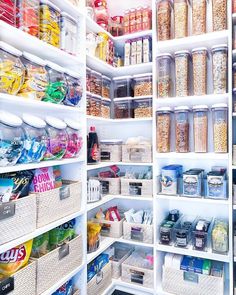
57, 177
93, 231
66, 289
113, 214
40, 245
14, 259
96, 265
43, 180
6, 187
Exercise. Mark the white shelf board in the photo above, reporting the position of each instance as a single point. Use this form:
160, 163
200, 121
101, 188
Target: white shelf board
105, 243
97, 64
200, 156
207, 40
21, 167
39, 231
26, 42
107, 164
92, 26
118, 121
121, 39
63, 280
129, 287
133, 69
189, 251
134, 243
68, 7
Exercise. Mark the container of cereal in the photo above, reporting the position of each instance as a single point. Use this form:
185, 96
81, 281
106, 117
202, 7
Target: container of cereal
164, 62
106, 108
96, 83
163, 129
143, 107
220, 127
122, 86
182, 129
180, 18
200, 126
182, 73
95, 105
69, 33
219, 15
123, 108
164, 10
106, 87
111, 150
199, 58
219, 68
142, 84
199, 10
75, 139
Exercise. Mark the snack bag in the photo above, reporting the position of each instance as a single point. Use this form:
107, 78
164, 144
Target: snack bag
57, 177
43, 180
66, 289
6, 187
40, 245
14, 259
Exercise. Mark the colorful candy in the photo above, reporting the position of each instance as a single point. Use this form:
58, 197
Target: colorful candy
75, 140
74, 90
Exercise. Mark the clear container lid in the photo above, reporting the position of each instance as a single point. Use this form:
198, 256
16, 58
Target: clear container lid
73, 124
55, 67
219, 47
33, 58
199, 49
55, 122
182, 52
10, 49
219, 106
95, 73
164, 110
96, 96
164, 55
122, 78
106, 99
202, 107
33, 121
182, 109
10, 119
111, 141
49, 3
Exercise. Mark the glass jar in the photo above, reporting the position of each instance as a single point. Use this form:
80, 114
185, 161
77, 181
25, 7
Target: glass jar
182, 129
142, 84
11, 139
57, 139
199, 11
36, 77
219, 15
106, 87
164, 62
132, 20
95, 105
100, 11
11, 69
199, 58
126, 28
123, 108
106, 108
219, 68
164, 10
122, 86
35, 144
163, 129
50, 23
146, 19
182, 73
200, 126
180, 18
220, 237
116, 26
74, 92
220, 127
69, 33
8, 11
88, 77
57, 86
143, 107
75, 139
96, 83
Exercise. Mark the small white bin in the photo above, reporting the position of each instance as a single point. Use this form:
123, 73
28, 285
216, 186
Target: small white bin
136, 187
110, 186
141, 153
112, 229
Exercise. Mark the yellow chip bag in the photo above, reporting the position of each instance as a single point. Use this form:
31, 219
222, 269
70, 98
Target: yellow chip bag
14, 259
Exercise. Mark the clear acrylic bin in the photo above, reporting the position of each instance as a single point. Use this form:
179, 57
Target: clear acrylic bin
143, 107
122, 86
201, 235
142, 84
183, 231
123, 108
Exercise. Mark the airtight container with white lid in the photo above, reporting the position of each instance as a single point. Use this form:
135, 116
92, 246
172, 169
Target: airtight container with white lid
163, 129
200, 128
57, 138
111, 150
11, 139
74, 88
69, 32
142, 84
182, 58
75, 139
122, 86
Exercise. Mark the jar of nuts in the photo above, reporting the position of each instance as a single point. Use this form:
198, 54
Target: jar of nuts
199, 57
200, 126
220, 127
180, 18
95, 105
123, 108
219, 15
122, 86
163, 129
142, 84
106, 108
199, 9
143, 107
182, 129
164, 62
182, 72
106, 86
164, 9
219, 68
96, 83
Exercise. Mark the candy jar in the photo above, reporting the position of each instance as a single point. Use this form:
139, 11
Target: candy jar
36, 78
75, 139
163, 129
57, 86
101, 12
11, 69
57, 138
69, 32
74, 88
35, 144
182, 129
11, 139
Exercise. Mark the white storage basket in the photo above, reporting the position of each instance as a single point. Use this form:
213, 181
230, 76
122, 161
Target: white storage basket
176, 281
112, 229
121, 254
100, 282
59, 263
136, 187
58, 203
138, 232
137, 153
20, 220
110, 186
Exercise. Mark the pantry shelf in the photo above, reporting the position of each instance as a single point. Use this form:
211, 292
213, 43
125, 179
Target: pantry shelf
134, 243
71, 9
128, 287
118, 121
92, 26
107, 164
202, 156
104, 244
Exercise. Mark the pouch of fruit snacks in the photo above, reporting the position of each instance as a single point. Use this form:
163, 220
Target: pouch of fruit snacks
40, 245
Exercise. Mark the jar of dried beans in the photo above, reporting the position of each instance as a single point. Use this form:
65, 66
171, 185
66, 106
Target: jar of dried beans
164, 10
180, 18
200, 126
219, 15
96, 83
199, 57
163, 129
182, 129
199, 9
164, 62
182, 72
220, 127
219, 68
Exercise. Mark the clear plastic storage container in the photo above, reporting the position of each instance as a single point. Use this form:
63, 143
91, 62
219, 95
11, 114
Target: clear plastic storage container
111, 150
96, 83
106, 87
122, 86
69, 33
219, 68
199, 57
11, 139
182, 73
57, 139
35, 139
199, 13
8, 11
219, 15
12, 69
95, 105
201, 234
182, 129
164, 10
88, 77
220, 236
106, 108
142, 84
163, 129
75, 139
74, 88
234, 76
36, 77
123, 108
164, 62
143, 107
220, 127
183, 231
200, 126
180, 18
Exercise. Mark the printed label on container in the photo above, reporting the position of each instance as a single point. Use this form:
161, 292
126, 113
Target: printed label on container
7, 286
64, 251
135, 188
64, 192
7, 210
137, 276
136, 234
190, 277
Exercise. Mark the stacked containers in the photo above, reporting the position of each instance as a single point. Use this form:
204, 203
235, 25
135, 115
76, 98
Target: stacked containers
164, 75
96, 83
200, 126
106, 87
69, 34
122, 86
123, 108
163, 129
142, 84
164, 8
106, 108
182, 129
199, 57
182, 73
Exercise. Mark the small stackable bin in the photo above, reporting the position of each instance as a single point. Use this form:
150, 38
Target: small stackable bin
112, 229
137, 153
110, 186
201, 239
58, 263
101, 281
111, 150
58, 203
136, 187
183, 231
138, 232
18, 218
